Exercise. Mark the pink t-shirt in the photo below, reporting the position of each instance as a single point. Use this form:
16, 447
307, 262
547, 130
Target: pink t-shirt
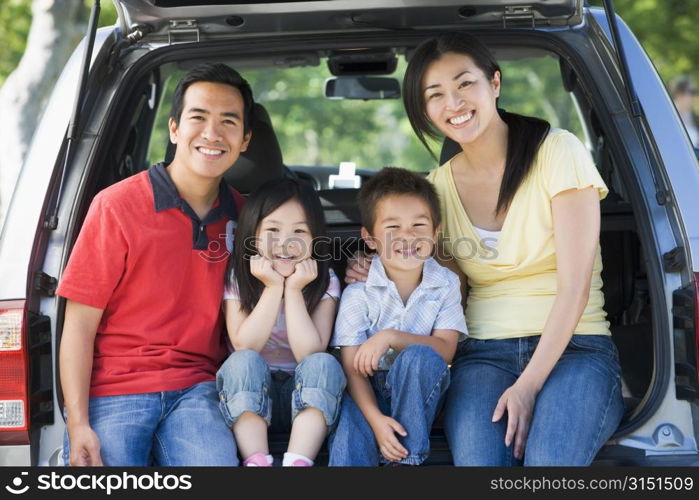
277, 351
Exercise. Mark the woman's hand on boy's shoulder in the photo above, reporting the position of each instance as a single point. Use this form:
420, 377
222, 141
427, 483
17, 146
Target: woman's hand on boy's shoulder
357, 267
262, 269
304, 272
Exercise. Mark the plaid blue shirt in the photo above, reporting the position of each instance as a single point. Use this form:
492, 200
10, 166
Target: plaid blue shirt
375, 305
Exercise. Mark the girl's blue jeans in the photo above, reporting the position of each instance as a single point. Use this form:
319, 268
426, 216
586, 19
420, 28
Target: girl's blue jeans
411, 392
246, 383
576, 411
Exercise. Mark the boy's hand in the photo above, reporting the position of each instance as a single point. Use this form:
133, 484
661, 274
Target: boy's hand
357, 267
263, 270
84, 447
304, 272
385, 429
366, 360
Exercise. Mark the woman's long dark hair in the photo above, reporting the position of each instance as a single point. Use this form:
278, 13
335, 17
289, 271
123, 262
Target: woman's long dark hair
525, 134
262, 202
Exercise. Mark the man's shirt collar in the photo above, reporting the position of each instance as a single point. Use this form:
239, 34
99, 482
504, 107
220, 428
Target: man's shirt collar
166, 196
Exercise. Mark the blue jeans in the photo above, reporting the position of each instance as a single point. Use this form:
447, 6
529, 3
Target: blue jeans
246, 383
576, 411
411, 392
172, 428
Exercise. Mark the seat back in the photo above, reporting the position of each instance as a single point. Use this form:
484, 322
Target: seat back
263, 159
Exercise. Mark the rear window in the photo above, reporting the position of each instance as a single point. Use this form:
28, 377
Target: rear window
315, 131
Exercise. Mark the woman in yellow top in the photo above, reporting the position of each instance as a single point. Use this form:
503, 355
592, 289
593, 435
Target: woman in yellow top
521, 220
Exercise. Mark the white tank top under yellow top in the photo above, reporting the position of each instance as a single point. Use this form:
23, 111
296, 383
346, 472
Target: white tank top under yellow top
513, 283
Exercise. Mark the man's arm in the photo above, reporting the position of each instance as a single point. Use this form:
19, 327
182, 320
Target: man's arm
76, 352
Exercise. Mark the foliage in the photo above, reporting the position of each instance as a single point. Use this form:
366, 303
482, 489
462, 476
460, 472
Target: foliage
15, 21
668, 31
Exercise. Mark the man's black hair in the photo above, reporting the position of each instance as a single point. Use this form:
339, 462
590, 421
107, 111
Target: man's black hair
215, 73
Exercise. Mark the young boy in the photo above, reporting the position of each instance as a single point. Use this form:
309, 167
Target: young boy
398, 330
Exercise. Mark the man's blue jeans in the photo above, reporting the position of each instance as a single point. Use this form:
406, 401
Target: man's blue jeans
576, 411
172, 428
411, 392
246, 383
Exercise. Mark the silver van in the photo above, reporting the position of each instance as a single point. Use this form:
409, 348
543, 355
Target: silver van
325, 74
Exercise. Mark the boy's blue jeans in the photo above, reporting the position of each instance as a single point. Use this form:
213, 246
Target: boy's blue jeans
410, 392
576, 411
172, 428
246, 383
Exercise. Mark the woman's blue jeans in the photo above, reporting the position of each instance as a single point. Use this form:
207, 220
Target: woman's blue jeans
576, 411
246, 383
411, 392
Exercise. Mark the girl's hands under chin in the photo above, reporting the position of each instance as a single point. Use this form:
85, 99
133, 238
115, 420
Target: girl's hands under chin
263, 270
305, 271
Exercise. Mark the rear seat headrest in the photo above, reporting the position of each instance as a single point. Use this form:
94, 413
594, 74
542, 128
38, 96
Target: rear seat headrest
263, 159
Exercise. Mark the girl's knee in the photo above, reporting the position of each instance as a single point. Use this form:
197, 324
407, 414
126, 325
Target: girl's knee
321, 370
244, 368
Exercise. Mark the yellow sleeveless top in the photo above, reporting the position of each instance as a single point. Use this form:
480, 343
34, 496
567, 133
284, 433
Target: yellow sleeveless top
513, 284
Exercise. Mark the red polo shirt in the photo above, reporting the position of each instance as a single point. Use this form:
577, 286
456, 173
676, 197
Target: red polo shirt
144, 257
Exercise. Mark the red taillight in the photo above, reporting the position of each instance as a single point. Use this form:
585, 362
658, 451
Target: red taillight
14, 374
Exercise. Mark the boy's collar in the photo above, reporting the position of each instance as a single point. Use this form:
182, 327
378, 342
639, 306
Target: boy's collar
431, 274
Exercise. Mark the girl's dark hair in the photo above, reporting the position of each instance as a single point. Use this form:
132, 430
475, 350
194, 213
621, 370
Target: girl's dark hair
525, 134
262, 202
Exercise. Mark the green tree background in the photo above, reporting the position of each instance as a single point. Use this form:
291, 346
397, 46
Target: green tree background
314, 131
15, 20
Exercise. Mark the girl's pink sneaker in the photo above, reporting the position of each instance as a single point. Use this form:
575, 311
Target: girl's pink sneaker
300, 462
258, 459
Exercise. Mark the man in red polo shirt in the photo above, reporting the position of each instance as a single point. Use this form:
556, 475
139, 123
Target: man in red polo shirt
142, 336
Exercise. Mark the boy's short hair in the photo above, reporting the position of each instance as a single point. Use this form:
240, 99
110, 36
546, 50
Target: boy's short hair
214, 73
392, 181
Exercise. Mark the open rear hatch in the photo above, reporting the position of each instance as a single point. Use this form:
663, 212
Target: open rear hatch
201, 19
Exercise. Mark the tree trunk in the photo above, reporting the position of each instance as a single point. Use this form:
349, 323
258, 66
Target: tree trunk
57, 27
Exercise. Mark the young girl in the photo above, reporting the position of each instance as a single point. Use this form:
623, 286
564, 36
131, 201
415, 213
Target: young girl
280, 304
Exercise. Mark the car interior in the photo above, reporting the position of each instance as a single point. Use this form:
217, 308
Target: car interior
282, 140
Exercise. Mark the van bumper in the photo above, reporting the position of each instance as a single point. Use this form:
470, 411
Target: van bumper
15, 456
